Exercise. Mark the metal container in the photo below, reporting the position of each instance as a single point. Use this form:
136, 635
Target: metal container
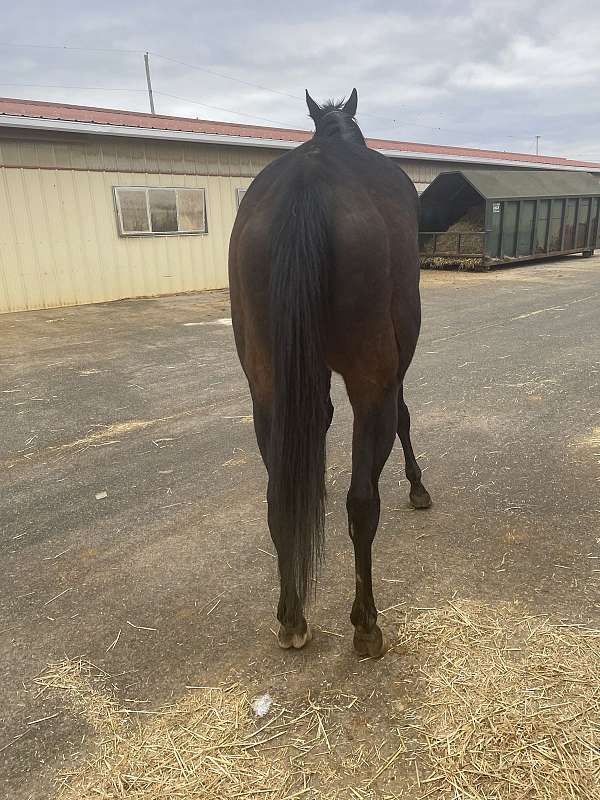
475, 219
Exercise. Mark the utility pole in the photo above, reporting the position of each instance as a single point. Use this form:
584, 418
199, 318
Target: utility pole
537, 143
149, 82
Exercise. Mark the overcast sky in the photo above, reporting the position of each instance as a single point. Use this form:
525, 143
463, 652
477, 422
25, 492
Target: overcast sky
481, 74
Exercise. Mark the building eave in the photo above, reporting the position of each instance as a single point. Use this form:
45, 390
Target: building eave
98, 129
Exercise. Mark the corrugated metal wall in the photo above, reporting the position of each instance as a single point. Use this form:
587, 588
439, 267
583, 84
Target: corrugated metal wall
59, 242
116, 154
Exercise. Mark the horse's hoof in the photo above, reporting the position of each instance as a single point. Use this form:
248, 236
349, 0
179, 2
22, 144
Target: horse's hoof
420, 498
371, 644
288, 639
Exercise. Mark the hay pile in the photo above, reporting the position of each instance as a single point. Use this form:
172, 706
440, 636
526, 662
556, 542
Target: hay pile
506, 707
511, 705
450, 247
202, 746
472, 220
208, 744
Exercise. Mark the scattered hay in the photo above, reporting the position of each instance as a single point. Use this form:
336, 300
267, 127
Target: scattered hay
593, 440
452, 262
87, 690
507, 708
206, 745
202, 746
512, 706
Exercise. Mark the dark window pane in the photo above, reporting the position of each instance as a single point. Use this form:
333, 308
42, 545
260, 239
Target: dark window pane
134, 216
525, 227
541, 229
556, 215
569, 237
163, 210
190, 204
582, 222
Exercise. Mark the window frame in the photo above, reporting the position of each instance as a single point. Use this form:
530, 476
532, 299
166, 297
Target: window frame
239, 195
146, 189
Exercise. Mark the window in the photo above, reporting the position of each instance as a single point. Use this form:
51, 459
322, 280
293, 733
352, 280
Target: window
145, 211
239, 193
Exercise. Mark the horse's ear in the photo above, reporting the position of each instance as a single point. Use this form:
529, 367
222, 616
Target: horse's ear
351, 104
314, 109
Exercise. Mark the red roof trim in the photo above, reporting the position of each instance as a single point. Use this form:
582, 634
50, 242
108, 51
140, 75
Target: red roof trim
105, 116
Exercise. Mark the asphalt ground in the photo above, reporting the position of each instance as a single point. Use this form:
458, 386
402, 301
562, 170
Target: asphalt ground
132, 494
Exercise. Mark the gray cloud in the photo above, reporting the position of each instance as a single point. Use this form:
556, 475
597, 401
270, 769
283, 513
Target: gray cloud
487, 74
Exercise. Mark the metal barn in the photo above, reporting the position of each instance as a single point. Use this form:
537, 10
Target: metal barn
476, 218
100, 204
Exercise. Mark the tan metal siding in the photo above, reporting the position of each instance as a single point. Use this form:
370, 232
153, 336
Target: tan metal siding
59, 243
132, 155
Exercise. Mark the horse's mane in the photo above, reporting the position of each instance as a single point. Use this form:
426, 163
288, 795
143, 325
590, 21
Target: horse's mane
333, 105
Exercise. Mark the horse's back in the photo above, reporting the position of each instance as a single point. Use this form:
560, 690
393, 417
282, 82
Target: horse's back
374, 278
372, 220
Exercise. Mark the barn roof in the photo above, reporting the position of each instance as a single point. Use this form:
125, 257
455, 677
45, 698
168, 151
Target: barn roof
58, 116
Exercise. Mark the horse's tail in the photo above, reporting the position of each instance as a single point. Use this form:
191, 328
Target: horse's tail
298, 296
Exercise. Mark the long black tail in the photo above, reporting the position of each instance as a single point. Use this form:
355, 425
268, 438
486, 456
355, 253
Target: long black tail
299, 287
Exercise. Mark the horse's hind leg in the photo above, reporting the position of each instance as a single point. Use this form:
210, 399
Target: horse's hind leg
419, 496
373, 438
293, 630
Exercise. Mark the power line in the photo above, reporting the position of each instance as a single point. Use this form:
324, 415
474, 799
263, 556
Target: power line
226, 77
266, 88
218, 108
395, 122
56, 86
144, 91
215, 73
174, 97
70, 47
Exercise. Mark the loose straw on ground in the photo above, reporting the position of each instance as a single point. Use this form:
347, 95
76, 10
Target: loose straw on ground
511, 705
507, 707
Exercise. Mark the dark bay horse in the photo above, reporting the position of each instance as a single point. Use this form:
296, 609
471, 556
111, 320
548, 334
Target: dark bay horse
324, 275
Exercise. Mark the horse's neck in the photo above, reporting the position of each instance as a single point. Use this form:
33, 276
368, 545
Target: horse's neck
345, 130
